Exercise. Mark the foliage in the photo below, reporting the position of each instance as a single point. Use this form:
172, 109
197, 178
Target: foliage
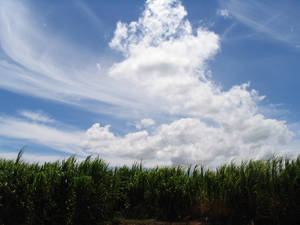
91, 192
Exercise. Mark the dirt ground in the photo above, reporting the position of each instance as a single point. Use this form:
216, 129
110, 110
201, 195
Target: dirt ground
158, 223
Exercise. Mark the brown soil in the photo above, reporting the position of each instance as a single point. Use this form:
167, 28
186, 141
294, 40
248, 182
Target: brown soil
157, 223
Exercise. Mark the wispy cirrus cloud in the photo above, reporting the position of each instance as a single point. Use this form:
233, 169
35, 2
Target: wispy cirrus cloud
275, 20
41, 64
91, 15
60, 138
36, 116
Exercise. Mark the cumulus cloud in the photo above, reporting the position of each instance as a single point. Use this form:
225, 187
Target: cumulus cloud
164, 55
189, 140
168, 59
144, 123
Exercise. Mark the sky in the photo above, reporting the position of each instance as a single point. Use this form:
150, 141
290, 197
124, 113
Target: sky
163, 81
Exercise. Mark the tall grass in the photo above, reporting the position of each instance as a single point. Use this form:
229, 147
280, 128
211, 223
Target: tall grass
91, 192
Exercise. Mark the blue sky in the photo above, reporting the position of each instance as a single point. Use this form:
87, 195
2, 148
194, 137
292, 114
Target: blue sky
165, 81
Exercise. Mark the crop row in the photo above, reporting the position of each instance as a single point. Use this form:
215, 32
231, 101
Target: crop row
91, 192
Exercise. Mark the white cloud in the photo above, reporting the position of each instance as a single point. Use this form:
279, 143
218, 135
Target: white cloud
164, 55
190, 141
44, 65
144, 123
170, 63
99, 66
223, 12
272, 20
54, 137
90, 14
36, 116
